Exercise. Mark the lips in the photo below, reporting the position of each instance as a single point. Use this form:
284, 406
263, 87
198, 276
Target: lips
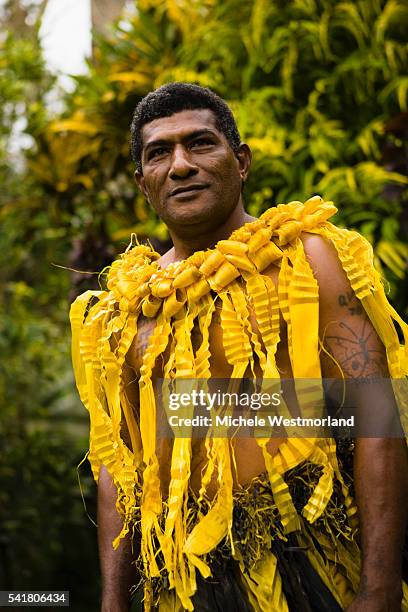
187, 189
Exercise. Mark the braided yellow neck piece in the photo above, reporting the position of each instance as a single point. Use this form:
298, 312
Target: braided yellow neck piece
137, 282
178, 297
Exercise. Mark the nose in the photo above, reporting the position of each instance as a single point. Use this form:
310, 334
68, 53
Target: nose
181, 164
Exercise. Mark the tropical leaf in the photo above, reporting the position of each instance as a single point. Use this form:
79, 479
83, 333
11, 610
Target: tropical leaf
394, 255
313, 87
74, 125
398, 89
394, 12
130, 77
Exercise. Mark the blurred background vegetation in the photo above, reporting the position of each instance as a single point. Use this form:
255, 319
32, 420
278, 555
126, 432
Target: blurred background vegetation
319, 90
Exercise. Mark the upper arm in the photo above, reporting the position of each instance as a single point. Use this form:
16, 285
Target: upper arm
350, 347
350, 344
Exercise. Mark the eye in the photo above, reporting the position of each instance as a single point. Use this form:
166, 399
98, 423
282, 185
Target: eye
158, 152
201, 142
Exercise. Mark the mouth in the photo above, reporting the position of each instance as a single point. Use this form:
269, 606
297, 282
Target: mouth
188, 190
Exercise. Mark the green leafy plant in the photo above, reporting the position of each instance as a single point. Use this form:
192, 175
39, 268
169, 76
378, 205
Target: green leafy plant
313, 85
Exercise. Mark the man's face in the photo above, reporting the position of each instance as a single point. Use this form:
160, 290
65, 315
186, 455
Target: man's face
190, 175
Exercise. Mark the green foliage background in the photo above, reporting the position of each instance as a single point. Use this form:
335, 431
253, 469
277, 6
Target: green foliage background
319, 90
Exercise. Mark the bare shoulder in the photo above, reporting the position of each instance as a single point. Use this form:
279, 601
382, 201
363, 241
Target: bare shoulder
324, 261
336, 296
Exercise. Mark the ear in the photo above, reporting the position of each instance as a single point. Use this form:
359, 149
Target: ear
139, 179
140, 182
244, 157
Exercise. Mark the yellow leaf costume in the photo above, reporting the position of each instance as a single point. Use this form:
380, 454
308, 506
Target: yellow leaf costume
181, 536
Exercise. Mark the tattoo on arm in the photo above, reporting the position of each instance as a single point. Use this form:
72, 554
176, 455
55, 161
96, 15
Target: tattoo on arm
347, 299
356, 347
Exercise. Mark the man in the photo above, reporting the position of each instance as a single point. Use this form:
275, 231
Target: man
248, 524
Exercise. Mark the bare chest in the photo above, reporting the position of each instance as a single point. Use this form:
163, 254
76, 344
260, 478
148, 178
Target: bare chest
248, 455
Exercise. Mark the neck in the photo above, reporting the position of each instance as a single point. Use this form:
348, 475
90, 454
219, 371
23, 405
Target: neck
204, 238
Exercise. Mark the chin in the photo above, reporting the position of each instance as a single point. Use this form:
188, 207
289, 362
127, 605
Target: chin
193, 216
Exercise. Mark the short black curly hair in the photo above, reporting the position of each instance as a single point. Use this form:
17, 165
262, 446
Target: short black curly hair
173, 98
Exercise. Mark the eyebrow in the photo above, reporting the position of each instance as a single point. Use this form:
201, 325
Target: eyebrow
189, 136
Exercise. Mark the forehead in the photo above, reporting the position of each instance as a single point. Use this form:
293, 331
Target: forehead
179, 125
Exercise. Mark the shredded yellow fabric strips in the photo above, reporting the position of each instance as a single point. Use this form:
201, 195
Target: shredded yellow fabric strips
104, 325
